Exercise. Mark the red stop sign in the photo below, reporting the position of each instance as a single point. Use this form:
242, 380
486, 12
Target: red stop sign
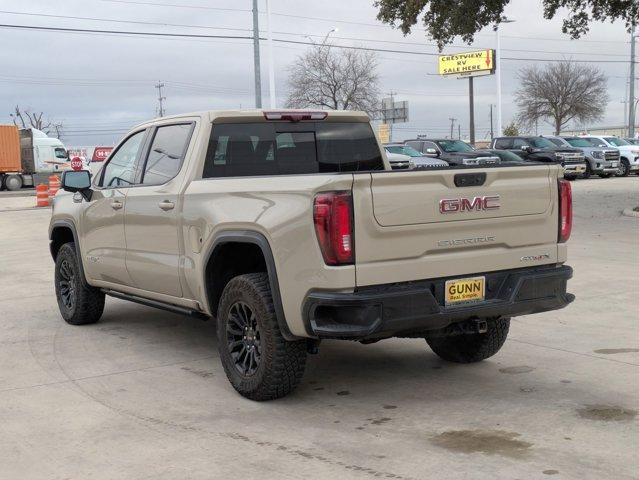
76, 163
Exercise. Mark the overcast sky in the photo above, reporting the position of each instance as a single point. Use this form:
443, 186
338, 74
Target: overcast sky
99, 85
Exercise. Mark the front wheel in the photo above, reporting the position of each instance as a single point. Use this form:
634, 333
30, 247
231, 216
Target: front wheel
624, 168
259, 362
79, 302
474, 347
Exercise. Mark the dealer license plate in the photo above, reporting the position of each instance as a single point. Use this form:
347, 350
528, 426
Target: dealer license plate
465, 290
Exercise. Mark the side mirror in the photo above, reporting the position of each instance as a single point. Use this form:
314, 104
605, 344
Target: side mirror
431, 152
525, 148
77, 181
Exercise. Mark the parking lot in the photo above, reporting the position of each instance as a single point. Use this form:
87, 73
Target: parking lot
142, 394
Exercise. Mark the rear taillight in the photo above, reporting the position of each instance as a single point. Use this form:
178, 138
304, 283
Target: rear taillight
295, 116
333, 218
565, 211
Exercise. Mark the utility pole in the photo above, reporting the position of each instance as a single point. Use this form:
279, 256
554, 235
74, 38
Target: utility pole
452, 126
161, 98
492, 133
256, 57
631, 100
459, 131
471, 99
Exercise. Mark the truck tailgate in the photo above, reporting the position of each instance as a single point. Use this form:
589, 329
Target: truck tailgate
404, 232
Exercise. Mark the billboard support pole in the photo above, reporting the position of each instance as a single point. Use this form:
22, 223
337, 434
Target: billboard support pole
471, 100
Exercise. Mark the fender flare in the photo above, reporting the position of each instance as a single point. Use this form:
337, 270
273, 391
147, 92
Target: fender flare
255, 238
71, 226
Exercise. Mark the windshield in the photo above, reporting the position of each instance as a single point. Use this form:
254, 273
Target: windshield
617, 142
451, 146
579, 142
540, 142
404, 150
633, 141
557, 141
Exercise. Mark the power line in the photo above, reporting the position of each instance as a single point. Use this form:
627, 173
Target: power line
279, 40
396, 42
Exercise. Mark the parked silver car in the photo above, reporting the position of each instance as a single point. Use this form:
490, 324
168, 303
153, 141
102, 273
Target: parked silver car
600, 161
416, 158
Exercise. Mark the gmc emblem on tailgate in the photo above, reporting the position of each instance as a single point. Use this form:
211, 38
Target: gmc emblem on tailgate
457, 205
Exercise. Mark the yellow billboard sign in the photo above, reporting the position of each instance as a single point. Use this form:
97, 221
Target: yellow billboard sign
468, 64
383, 132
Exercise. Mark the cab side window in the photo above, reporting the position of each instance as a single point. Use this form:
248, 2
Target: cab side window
428, 145
503, 143
520, 142
166, 153
122, 167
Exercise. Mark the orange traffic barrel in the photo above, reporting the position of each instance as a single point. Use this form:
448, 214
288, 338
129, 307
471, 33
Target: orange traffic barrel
54, 186
42, 195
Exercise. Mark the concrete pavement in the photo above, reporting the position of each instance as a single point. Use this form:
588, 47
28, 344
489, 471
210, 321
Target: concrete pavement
141, 394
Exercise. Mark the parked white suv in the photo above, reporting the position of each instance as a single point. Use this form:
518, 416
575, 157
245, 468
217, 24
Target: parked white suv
629, 153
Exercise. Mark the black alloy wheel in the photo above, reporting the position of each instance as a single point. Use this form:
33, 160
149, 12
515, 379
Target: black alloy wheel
243, 338
66, 284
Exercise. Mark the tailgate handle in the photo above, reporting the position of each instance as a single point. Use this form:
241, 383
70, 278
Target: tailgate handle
470, 179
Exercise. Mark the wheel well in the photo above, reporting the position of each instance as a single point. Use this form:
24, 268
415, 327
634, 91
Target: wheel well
60, 236
624, 158
229, 260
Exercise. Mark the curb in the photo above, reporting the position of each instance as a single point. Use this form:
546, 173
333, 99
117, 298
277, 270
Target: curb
629, 212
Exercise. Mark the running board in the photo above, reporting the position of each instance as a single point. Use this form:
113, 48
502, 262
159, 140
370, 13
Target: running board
154, 303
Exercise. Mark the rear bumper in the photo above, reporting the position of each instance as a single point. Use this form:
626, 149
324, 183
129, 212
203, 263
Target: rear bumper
406, 309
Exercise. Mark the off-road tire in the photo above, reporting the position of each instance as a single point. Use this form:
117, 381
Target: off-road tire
472, 348
88, 302
281, 364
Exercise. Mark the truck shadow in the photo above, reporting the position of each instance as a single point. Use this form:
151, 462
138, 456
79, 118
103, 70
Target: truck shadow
395, 369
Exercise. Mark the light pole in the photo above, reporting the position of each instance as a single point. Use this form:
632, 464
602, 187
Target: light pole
271, 68
631, 100
335, 29
498, 72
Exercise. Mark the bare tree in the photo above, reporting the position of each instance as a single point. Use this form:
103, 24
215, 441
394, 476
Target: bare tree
337, 79
559, 93
28, 119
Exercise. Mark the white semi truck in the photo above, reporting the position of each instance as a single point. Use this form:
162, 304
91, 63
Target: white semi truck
28, 156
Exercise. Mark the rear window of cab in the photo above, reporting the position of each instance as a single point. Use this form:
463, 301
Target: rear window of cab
285, 148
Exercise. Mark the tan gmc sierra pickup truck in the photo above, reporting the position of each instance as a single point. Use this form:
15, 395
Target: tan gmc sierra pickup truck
289, 227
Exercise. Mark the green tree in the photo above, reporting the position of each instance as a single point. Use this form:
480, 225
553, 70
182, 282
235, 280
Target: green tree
444, 20
511, 130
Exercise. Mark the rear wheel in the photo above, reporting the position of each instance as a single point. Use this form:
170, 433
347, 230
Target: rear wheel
79, 302
13, 182
474, 347
258, 361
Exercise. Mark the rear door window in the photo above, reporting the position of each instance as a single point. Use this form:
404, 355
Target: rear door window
166, 153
